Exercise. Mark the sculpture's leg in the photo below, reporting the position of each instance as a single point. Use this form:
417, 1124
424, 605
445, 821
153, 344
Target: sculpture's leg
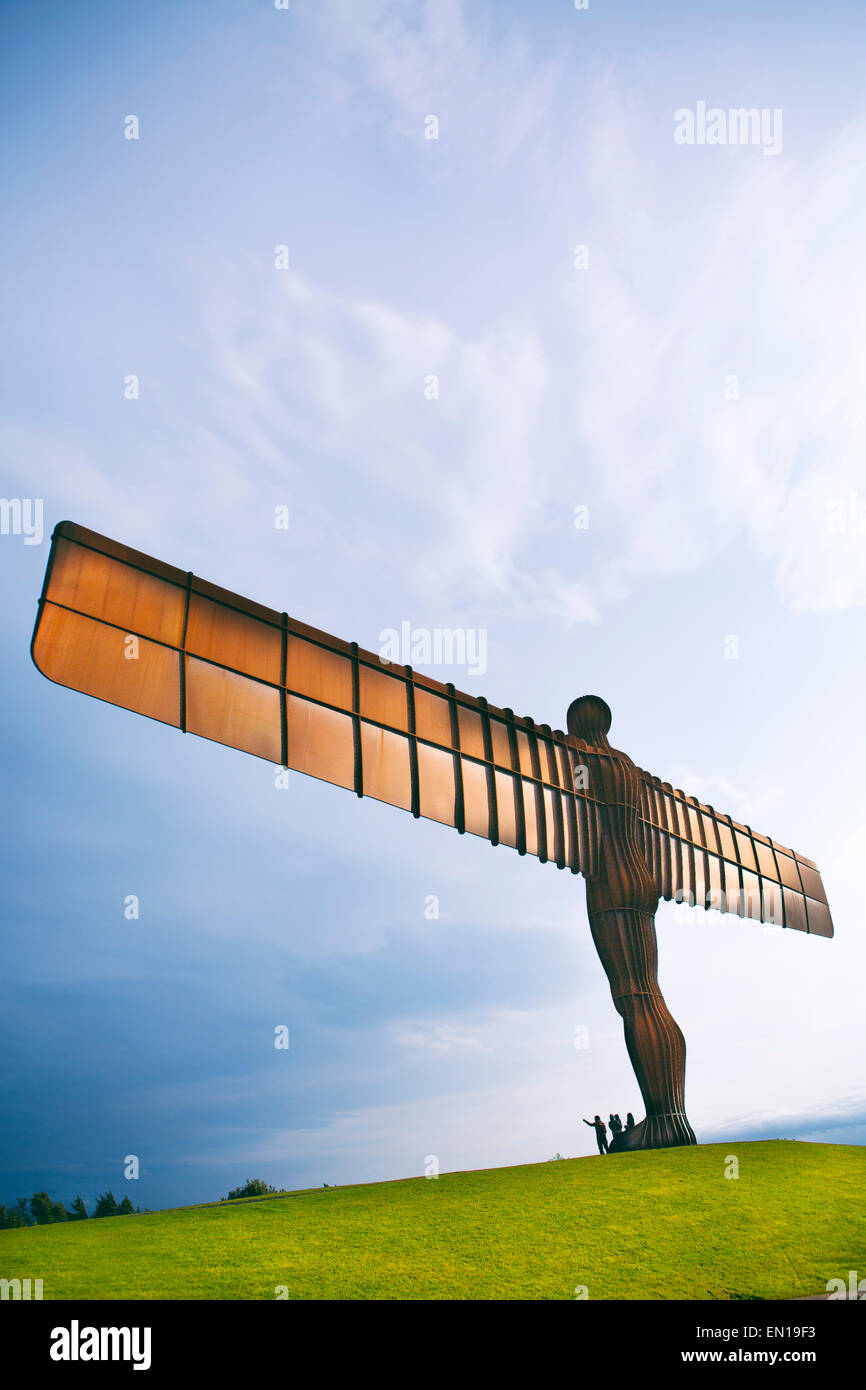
626, 943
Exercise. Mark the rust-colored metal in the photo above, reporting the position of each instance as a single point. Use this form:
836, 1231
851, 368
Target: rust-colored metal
138, 633
621, 900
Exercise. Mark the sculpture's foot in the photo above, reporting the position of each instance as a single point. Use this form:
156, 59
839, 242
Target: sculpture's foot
655, 1132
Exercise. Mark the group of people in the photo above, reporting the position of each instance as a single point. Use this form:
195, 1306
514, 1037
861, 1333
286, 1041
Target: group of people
616, 1128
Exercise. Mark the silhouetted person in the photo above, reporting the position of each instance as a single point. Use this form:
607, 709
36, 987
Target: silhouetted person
600, 1132
619, 1136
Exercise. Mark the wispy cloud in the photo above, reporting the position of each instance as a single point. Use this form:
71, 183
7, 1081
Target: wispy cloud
846, 1113
439, 1037
402, 410
719, 399
477, 72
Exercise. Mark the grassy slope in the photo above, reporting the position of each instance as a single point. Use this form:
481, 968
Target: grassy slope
663, 1224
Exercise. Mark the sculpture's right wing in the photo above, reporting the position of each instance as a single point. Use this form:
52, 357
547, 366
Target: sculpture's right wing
700, 856
138, 633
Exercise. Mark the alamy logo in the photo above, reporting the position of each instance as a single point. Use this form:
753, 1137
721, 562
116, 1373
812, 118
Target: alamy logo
438, 646
23, 1289
736, 126
75, 1343
856, 1288
22, 516
846, 516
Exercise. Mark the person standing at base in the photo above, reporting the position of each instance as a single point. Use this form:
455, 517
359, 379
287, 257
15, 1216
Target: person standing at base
600, 1132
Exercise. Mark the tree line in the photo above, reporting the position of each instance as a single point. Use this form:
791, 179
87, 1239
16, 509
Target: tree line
39, 1210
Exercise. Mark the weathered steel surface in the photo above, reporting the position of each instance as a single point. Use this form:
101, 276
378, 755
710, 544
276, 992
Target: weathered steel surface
621, 900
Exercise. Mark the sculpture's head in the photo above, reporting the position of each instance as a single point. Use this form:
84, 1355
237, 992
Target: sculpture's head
589, 719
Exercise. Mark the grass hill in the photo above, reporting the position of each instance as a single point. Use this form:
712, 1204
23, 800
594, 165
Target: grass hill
663, 1224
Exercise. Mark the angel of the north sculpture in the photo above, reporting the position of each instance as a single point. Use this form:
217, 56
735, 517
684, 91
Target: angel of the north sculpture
141, 634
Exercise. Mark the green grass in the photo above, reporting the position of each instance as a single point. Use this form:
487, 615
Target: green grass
662, 1224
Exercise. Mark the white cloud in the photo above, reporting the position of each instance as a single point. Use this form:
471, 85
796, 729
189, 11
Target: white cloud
440, 1037
751, 274
346, 380
751, 792
492, 97
762, 283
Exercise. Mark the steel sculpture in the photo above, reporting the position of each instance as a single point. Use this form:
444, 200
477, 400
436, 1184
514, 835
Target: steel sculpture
135, 632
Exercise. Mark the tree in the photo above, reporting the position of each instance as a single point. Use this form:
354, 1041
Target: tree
253, 1187
19, 1215
44, 1211
105, 1204
78, 1211
126, 1208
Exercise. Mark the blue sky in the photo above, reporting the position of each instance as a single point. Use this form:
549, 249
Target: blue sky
606, 387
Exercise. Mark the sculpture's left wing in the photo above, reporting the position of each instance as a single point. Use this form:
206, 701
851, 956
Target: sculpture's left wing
131, 630
700, 856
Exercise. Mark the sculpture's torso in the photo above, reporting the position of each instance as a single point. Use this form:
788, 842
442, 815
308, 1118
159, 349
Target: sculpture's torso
623, 880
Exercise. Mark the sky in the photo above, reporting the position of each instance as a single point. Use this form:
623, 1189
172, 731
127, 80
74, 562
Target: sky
432, 351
